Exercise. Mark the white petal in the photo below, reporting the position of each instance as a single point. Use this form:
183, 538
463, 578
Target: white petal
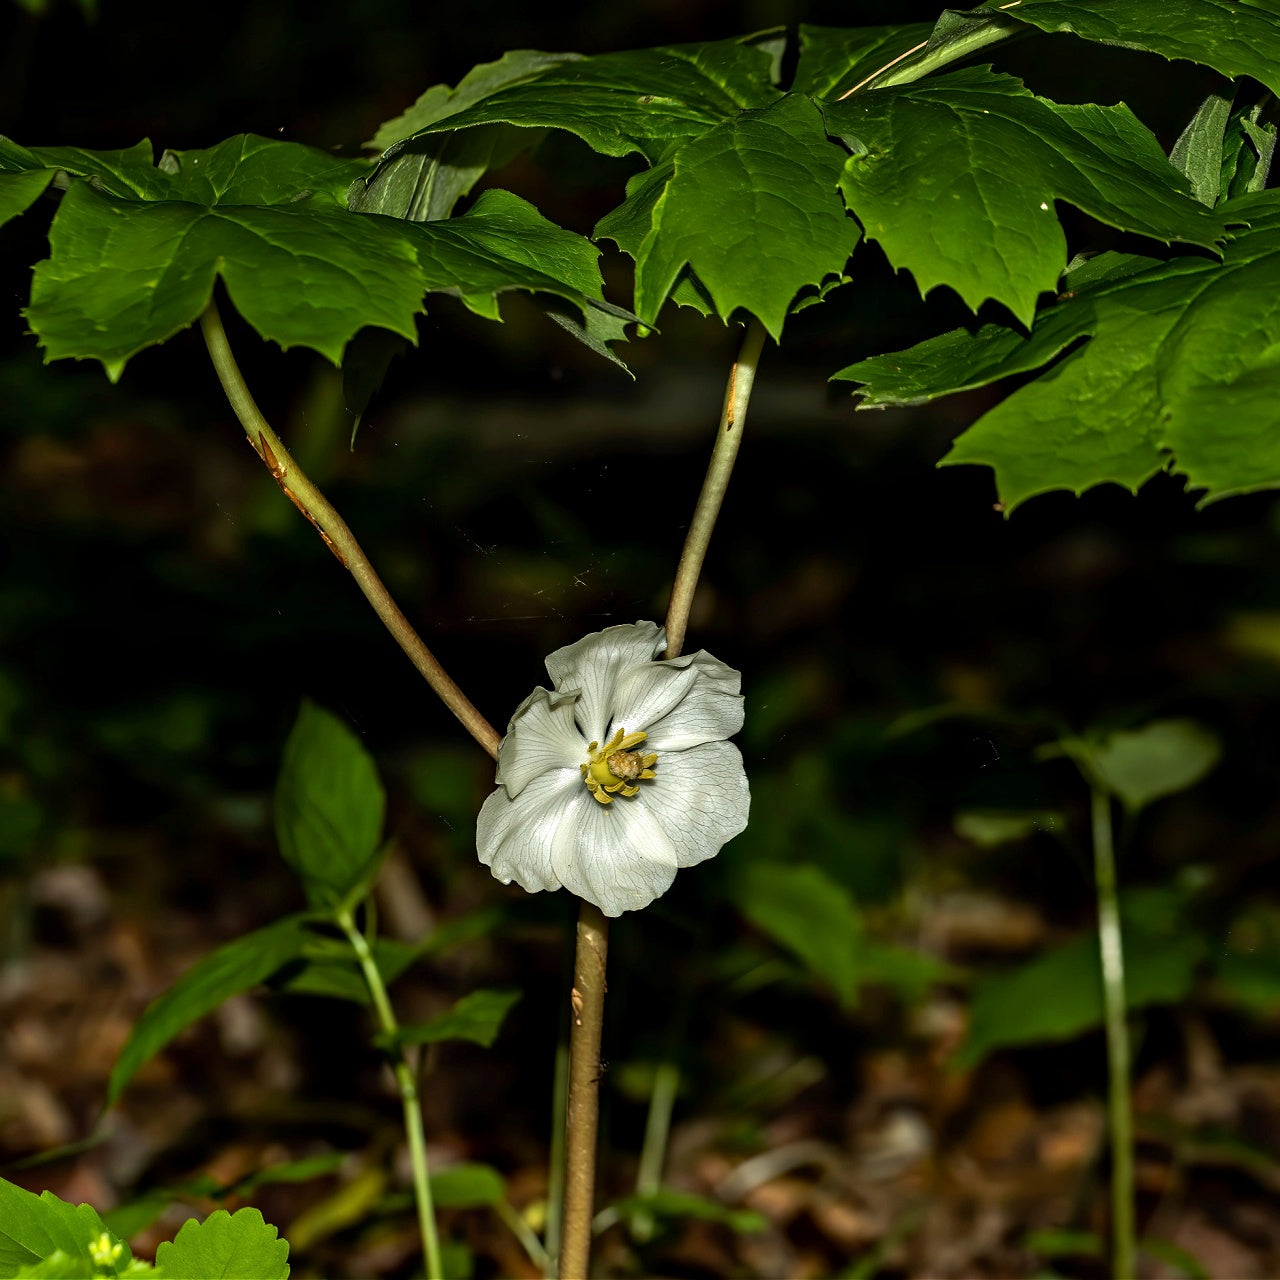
700, 798
541, 736
591, 666
514, 837
615, 855
681, 703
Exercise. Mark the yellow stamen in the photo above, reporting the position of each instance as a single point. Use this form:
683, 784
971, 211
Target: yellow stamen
617, 769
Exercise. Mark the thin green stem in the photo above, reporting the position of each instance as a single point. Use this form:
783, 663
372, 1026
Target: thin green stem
583, 1114
333, 529
523, 1232
983, 30
407, 1085
733, 418
555, 1178
657, 1129
1120, 1116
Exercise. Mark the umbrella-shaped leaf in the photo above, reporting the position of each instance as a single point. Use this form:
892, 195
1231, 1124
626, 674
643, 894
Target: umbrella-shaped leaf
135, 251
1146, 358
956, 177
751, 208
645, 100
1236, 37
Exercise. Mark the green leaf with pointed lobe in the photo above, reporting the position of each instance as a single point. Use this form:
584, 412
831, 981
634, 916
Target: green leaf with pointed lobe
1247, 151
482, 81
1198, 152
751, 208
34, 1227
1235, 37
957, 176
878, 56
136, 251
645, 100
1151, 365
422, 178
1058, 995
19, 191
239, 966
1140, 766
477, 1017
810, 914
329, 808
835, 59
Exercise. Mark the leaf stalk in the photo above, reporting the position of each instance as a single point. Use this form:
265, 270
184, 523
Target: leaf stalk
334, 531
733, 418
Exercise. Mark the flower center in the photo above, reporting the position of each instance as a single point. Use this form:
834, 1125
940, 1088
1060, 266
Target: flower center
615, 767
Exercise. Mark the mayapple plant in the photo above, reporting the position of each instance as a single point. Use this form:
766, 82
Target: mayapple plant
1152, 354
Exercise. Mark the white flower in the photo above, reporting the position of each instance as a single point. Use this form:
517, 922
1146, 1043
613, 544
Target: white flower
620, 776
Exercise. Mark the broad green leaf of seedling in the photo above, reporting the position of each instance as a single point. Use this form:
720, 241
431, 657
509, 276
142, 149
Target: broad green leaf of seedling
1140, 766
35, 1227
225, 1244
329, 809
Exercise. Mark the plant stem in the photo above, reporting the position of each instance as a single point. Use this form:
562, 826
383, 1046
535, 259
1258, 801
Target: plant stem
657, 1129
407, 1085
584, 1096
733, 418
523, 1232
987, 29
593, 928
1123, 1250
333, 529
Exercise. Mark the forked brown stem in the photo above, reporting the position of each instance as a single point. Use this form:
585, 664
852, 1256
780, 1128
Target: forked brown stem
334, 531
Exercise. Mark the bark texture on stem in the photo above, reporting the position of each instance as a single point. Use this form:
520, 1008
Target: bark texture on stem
587, 1000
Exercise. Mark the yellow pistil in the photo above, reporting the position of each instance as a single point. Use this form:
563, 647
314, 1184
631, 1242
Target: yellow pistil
615, 768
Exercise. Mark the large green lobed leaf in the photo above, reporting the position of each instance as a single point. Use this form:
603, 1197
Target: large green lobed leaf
835, 59
135, 252
1155, 365
645, 100
422, 178
956, 178
1140, 766
751, 208
1236, 37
